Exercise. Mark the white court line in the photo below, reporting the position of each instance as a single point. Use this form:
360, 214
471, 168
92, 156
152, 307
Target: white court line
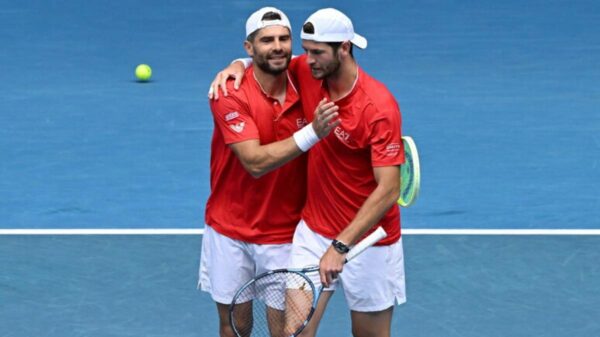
199, 231
104, 231
501, 231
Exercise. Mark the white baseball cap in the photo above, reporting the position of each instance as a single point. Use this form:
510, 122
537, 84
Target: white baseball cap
332, 25
256, 22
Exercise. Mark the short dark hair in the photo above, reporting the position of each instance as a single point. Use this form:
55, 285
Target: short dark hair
309, 28
268, 16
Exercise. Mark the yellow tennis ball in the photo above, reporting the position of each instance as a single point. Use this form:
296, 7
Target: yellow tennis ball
143, 72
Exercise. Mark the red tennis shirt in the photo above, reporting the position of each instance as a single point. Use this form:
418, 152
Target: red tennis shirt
340, 166
264, 210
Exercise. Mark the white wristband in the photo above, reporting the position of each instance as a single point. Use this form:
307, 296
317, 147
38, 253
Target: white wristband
306, 137
246, 61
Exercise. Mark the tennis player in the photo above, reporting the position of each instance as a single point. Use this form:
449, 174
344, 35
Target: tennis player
255, 200
353, 176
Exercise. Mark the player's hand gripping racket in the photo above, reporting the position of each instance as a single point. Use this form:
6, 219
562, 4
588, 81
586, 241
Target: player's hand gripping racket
410, 174
281, 302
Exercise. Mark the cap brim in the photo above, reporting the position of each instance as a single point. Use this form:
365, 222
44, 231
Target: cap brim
359, 41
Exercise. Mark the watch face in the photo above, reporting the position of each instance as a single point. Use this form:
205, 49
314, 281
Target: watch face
340, 247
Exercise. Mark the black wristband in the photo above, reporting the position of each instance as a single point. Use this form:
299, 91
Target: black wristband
340, 247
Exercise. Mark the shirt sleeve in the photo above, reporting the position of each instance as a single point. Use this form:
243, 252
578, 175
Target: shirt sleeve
233, 118
386, 138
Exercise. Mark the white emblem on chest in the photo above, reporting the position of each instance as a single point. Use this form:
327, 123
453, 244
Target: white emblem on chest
342, 135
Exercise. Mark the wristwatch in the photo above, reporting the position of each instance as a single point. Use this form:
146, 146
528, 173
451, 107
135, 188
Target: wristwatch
340, 247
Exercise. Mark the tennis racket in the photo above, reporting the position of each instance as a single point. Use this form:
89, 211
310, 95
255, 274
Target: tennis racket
280, 303
410, 173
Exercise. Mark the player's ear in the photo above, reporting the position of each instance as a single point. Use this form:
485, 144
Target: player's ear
249, 48
346, 47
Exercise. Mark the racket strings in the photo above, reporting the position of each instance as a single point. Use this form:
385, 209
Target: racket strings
275, 305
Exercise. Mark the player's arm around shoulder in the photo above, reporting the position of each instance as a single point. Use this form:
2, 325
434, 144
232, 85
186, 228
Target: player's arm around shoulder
236, 70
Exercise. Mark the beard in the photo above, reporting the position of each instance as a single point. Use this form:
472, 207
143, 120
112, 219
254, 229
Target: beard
262, 61
326, 70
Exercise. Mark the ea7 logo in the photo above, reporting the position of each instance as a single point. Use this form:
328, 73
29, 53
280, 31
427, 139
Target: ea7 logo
231, 115
301, 122
239, 127
341, 134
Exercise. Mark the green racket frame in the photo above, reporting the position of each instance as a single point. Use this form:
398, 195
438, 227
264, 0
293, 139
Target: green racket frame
410, 174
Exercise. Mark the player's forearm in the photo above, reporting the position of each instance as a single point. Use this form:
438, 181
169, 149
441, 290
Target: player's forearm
372, 210
260, 159
271, 156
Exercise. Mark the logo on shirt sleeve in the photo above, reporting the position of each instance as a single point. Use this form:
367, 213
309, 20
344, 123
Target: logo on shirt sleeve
232, 115
239, 127
392, 149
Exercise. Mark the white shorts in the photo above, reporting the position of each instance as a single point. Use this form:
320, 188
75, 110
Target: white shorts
227, 264
372, 281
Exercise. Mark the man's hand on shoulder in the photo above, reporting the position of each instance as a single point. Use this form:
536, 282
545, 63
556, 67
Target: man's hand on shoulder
235, 70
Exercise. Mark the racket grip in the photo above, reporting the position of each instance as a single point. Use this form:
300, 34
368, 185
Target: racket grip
367, 242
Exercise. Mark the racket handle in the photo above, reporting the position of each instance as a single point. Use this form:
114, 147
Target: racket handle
367, 242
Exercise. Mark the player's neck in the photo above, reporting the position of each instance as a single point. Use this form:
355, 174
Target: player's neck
272, 85
342, 81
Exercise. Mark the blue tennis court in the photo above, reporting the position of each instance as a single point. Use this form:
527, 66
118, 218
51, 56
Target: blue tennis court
501, 98
146, 286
